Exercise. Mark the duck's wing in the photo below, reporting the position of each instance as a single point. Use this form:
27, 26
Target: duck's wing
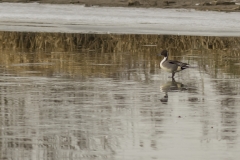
181, 64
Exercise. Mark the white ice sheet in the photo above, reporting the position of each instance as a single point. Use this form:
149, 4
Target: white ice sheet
79, 19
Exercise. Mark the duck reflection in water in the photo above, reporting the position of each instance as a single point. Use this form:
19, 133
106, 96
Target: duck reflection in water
171, 86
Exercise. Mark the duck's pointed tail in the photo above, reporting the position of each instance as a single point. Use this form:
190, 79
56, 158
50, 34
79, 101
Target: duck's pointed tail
190, 66
184, 66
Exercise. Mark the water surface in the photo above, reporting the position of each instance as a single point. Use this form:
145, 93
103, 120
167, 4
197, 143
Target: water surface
111, 101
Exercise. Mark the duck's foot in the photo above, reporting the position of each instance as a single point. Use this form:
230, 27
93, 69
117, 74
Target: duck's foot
171, 77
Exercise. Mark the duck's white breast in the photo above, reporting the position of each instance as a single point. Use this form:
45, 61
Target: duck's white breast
163, 67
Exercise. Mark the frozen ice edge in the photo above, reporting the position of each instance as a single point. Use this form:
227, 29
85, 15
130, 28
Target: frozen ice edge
35, 17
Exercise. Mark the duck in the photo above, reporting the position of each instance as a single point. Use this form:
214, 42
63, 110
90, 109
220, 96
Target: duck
171, 65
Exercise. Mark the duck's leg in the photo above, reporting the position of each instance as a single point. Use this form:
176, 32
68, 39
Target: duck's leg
173, 73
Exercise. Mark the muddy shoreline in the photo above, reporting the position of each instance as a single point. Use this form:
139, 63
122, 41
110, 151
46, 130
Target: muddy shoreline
219, 5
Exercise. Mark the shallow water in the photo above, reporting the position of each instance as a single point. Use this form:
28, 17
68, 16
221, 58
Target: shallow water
108, 104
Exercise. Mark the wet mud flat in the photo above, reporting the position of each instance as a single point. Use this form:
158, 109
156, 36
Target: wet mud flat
102, 96
219, 5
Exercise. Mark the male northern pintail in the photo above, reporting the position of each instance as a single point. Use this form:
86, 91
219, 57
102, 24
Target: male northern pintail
170, 65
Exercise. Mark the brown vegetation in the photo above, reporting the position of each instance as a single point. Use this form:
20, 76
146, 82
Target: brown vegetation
110, 42
69, 50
